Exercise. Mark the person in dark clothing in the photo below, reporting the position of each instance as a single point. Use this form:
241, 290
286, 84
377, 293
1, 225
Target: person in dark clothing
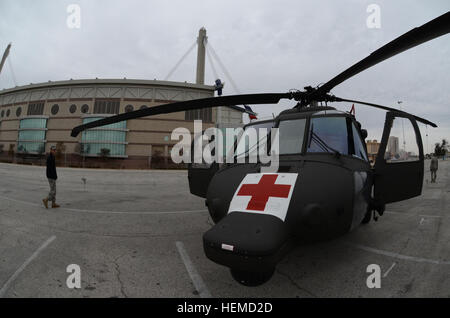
433, 168
51, 176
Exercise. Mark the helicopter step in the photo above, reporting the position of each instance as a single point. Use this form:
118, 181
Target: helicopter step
249, 244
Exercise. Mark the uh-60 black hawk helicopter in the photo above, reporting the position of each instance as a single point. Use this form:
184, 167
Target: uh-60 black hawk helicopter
324, 186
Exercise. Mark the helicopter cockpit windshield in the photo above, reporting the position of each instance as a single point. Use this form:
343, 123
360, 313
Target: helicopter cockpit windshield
328, 134
291, 133
325, 134
336, 134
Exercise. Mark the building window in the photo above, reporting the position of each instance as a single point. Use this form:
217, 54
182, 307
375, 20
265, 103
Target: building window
8, 112
204, 114
32, 135
129, 108
3, 113
105, 106
18, 111
35, 109
84, 108
112, 137
73, 108
55, 109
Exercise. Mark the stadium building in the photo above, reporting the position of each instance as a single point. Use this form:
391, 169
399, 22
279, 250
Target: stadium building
36, 116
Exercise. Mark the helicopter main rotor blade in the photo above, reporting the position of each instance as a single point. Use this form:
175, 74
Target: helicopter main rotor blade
232, 100
430, 30
422, 120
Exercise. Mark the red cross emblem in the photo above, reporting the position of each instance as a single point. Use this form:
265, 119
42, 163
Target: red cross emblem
263, 190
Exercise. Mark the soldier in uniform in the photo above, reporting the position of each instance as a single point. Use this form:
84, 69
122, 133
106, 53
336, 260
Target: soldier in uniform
433, 168
51, 176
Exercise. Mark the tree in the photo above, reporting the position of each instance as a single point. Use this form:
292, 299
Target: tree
104, 153
60, 149
11, 150
41, 149
440, 148
157, 158
82, 149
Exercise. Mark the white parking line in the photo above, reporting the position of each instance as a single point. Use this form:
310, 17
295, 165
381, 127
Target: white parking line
104, 212
193, 274
8, 283
399, 256
417, 215
390, 268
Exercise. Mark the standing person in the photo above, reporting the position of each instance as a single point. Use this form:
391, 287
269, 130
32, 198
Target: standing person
433, 168
51, 176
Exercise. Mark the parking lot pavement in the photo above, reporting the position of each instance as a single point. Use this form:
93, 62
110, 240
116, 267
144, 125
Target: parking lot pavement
139, 234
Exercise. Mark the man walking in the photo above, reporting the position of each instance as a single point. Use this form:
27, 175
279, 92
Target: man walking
433, 168
51, 176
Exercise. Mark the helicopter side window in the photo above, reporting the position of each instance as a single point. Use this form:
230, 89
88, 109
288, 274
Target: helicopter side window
402, 143
360, 151
328, 134
291, 134
249, 146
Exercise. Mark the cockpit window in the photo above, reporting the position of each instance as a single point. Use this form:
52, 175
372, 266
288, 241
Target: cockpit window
360, 150
249, 146
328, 134
336, 134
291, 133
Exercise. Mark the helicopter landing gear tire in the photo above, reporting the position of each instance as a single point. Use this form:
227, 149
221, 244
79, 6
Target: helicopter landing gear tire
367, 217
251, 279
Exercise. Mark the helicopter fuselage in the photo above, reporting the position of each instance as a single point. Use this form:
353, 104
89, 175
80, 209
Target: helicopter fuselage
330, 197
317, 193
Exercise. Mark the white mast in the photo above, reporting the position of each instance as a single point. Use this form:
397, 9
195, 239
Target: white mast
5, 55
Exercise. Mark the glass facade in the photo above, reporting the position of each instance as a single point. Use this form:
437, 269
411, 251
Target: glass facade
32, 133
112, 137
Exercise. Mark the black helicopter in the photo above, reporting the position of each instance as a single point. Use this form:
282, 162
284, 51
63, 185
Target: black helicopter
260, 216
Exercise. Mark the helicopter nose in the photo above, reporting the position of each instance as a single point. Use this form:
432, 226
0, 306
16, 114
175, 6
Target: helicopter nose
247, 241
311, 214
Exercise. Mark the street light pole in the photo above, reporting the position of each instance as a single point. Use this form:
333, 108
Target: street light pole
403, 127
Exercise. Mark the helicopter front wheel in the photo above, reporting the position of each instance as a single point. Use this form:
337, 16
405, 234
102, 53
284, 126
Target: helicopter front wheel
251, 279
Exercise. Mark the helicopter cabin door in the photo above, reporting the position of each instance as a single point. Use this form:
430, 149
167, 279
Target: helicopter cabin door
200, 173
399, 163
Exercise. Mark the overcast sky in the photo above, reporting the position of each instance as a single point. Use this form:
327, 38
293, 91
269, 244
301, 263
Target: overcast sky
267, 46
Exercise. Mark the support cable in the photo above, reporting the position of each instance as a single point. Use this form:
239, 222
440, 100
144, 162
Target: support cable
180, 61
227, 74
223, 68
12, 71
211, 63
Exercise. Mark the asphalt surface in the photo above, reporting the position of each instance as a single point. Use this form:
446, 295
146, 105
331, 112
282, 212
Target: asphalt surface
139, 234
